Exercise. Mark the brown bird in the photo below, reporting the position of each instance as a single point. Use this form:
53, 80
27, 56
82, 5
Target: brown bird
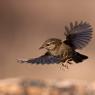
78, 35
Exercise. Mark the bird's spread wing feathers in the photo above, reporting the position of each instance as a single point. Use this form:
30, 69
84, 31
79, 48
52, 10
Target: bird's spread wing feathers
78, 35
44, 59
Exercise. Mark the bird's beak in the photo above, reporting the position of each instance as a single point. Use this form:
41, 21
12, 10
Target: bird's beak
41, 47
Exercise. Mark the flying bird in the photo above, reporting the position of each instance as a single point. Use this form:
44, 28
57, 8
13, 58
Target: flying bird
58, 51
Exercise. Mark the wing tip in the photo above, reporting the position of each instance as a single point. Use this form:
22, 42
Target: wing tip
21, 61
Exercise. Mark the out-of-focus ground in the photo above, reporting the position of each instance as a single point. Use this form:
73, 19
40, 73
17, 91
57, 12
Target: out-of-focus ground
44, 87
25, 24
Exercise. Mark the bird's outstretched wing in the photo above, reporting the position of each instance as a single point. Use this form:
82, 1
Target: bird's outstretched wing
44, 59
78, 35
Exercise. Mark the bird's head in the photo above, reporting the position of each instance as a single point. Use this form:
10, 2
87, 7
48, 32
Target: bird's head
51, 44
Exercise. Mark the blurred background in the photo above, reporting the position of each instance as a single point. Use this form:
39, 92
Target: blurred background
25, 24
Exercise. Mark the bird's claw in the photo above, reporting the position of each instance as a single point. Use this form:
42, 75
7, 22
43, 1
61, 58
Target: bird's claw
65, 65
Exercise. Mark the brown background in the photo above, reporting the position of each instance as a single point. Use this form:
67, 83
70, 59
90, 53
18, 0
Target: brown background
25, 24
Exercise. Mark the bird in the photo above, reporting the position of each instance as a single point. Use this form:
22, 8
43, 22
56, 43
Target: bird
58, 51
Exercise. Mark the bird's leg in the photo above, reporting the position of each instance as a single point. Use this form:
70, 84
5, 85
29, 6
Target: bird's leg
66, 62
69, 61
65, 65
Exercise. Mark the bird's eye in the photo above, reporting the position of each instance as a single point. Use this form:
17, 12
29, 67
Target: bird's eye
48, 44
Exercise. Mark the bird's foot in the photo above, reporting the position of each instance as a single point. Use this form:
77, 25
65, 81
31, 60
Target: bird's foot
69, 61
65, 65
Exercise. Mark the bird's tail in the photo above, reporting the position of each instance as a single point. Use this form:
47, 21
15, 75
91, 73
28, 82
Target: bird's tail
77, 57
